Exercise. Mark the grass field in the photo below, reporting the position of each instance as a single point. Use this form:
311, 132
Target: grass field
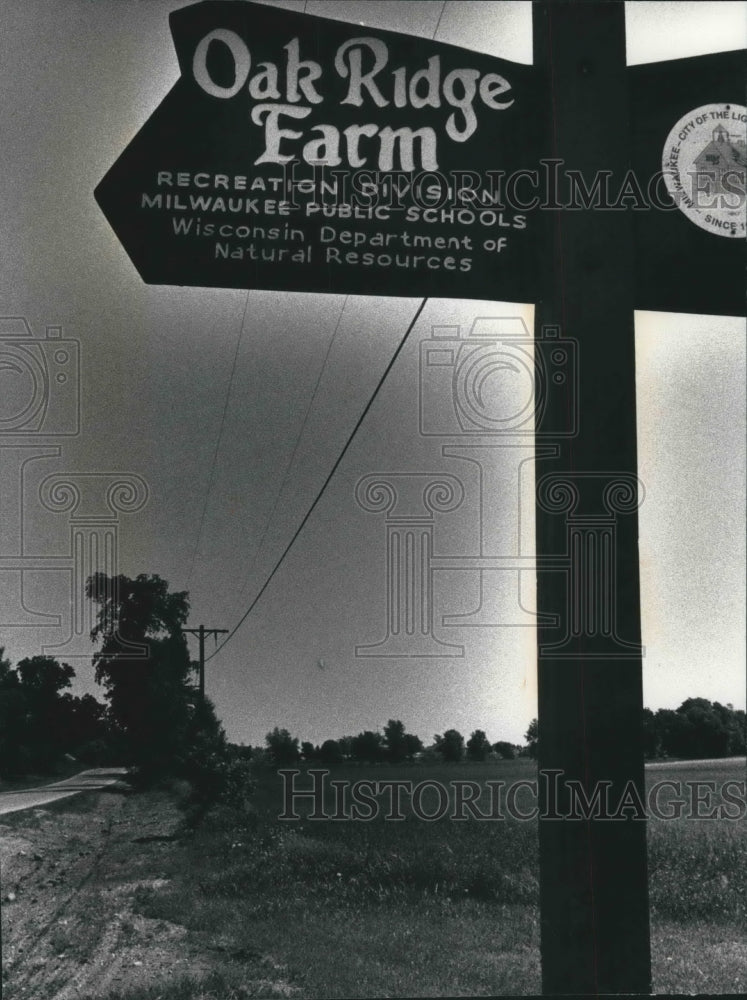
698, 892
414, 908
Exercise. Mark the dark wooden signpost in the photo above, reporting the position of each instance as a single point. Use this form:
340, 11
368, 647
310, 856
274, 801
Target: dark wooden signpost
197, 198
597, 267
594, 892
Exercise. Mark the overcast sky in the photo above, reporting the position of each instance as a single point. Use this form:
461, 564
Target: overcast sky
234, 407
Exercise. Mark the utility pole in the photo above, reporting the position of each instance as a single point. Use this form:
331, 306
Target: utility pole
201, 632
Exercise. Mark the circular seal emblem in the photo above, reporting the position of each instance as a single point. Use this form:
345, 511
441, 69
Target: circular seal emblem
704, 163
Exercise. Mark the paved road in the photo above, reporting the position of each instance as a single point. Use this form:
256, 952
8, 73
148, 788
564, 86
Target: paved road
86, 781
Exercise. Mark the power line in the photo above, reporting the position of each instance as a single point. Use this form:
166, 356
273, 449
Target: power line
211, 476
291, 460
325, 484
438, 22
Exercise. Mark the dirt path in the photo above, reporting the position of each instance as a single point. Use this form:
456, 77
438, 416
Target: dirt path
70, 875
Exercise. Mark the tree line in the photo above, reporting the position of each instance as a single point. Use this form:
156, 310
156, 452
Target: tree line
698, 728
154, 720
394, 745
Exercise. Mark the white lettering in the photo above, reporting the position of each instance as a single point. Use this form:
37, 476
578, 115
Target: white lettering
241, 59
354, 69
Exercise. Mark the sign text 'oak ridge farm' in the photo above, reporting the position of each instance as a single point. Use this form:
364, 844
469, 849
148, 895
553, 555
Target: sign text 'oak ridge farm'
300, 153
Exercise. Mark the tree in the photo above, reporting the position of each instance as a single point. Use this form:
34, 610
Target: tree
145, 669
8, 678
737, 731
478, 745
394, 737
506, 751
139, 624
82, 726
532, 738
42, 678
651, 735
450, 745
47, 716
13, 750
330, 753
282, 746
413, 745
704, 730
698, 728
368, 747
309, 751
668, 727
40, 720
